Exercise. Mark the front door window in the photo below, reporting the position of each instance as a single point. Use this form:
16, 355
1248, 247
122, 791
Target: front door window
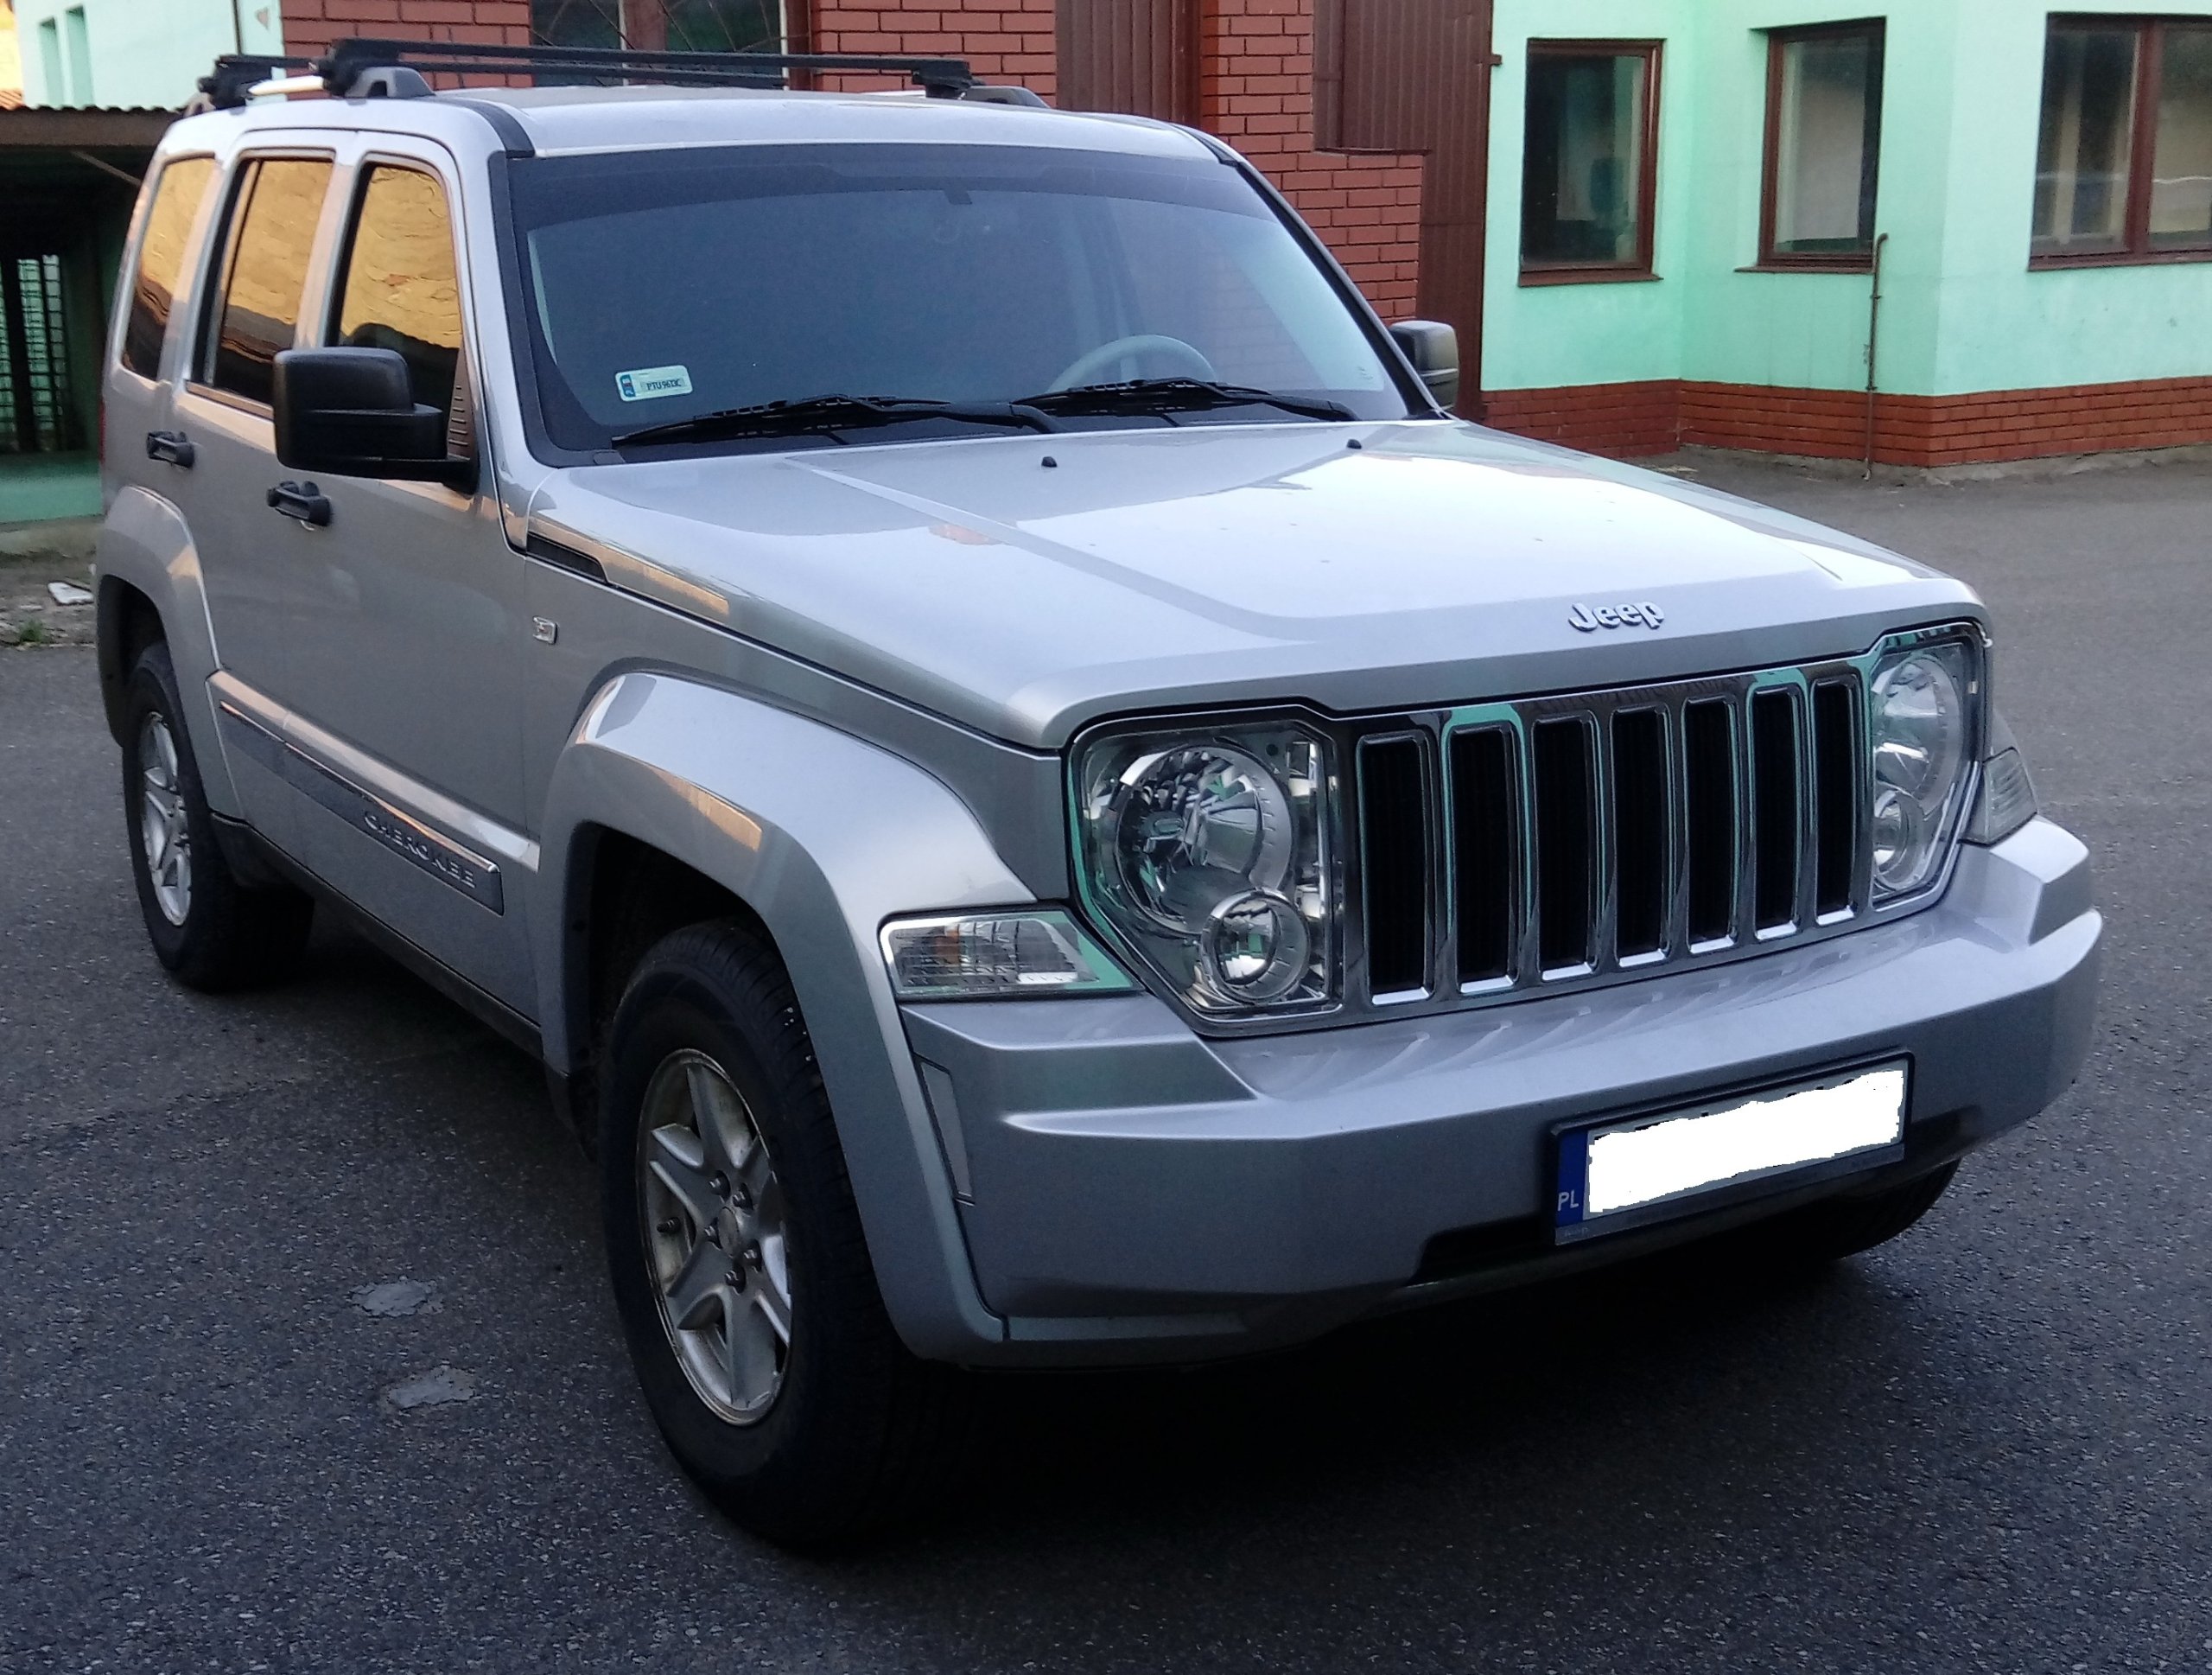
273, 216
398, 289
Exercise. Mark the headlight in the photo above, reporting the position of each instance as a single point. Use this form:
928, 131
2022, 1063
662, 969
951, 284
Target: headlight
1208, 850
1923, 707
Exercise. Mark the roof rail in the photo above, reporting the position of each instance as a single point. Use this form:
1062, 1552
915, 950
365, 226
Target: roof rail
370, 68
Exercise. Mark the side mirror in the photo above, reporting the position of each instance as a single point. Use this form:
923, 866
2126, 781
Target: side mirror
353, 413
1433, 348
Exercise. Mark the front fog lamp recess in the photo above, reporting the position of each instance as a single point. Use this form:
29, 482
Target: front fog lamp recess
1207, 852
1922, 712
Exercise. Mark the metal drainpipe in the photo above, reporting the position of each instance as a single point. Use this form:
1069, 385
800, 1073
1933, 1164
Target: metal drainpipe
1873, 337
238, 26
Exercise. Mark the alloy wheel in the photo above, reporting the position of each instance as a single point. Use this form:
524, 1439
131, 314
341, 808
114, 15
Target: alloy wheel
163, 830
714, 1234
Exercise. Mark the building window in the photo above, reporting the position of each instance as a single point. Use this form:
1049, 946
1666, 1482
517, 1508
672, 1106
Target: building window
2124, 157
77, 39
1823, 146
49, 61
692, 26
1589, 162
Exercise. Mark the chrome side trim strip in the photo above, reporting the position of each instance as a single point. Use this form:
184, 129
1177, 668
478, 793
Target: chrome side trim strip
448, 861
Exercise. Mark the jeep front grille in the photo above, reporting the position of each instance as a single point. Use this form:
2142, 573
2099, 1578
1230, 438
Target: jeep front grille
1555, 842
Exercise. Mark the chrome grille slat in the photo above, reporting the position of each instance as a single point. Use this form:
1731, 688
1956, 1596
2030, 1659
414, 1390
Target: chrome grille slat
1746, 927
1774, 729
1712, 818
1686, 830
1485, 860
1839, 775
1674, 717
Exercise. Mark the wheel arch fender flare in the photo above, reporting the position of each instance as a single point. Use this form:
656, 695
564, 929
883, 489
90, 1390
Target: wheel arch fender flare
823, 836
145, 544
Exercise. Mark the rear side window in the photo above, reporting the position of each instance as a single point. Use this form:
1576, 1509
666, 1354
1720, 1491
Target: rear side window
177, 196
398, 289
272, 223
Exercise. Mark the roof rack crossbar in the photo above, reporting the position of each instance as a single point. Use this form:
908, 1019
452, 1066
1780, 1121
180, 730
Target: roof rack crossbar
236, 74
343, 67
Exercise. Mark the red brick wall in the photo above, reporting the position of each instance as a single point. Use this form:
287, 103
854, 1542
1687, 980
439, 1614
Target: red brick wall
311, 25
1256, 92
1992, 425
1620, 419
1002, 39
1256, 79
1927, 431
1815, 424
2020, 424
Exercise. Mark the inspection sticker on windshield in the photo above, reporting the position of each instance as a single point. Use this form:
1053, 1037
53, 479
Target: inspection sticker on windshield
1641, 1169
649, 382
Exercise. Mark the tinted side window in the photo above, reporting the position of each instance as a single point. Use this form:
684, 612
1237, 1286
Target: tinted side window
160, 260
264, 272
398, 289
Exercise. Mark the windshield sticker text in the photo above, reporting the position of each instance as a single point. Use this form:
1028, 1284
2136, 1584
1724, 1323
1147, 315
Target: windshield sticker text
650, 382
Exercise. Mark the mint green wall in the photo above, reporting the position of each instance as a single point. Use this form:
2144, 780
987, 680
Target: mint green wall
36, 488
2001, 326
1961, 310
1537, 337
142, 52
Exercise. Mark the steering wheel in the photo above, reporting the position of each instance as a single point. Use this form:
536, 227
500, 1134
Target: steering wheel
1086, 368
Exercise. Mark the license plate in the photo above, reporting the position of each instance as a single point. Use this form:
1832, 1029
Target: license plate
1646, 1168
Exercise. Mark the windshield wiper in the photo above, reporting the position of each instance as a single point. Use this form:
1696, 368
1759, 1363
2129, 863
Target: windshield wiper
832, 413
1171, 395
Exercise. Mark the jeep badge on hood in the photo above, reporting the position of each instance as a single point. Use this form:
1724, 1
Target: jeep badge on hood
1642, 616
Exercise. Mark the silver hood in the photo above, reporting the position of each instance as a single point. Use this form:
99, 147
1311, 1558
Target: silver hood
1027, 584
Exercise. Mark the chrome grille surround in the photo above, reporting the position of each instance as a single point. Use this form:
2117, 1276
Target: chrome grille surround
1517, 720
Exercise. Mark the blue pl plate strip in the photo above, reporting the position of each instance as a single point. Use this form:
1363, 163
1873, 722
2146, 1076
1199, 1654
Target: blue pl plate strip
1574, 1176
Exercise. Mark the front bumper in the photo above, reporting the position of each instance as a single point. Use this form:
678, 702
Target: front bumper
1131, 1191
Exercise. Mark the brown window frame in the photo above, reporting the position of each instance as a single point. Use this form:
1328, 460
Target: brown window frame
1778, 41
2143, 144
1641, 266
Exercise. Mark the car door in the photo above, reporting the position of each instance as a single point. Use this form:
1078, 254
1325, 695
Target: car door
405, 612
253, 295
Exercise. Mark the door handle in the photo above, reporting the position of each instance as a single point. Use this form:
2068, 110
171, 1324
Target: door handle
171, 445
301, 500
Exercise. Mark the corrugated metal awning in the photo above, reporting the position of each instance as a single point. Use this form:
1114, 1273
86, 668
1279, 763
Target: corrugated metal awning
82, 128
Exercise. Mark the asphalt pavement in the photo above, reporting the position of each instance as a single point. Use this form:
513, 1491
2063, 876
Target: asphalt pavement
1987, 1446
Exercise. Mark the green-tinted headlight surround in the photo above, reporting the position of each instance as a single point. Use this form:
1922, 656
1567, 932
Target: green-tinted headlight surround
1926, 702
1207, 851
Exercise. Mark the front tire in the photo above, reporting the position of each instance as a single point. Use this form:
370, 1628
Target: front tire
207, 929
738, 1261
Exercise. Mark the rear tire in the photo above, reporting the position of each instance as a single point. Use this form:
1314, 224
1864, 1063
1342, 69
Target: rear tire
207, 929
1843, 1226
738, 1261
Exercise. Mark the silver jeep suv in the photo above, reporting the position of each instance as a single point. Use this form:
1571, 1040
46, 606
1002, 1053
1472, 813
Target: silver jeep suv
1041, 801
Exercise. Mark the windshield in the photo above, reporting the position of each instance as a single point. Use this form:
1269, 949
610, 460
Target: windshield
662, 287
